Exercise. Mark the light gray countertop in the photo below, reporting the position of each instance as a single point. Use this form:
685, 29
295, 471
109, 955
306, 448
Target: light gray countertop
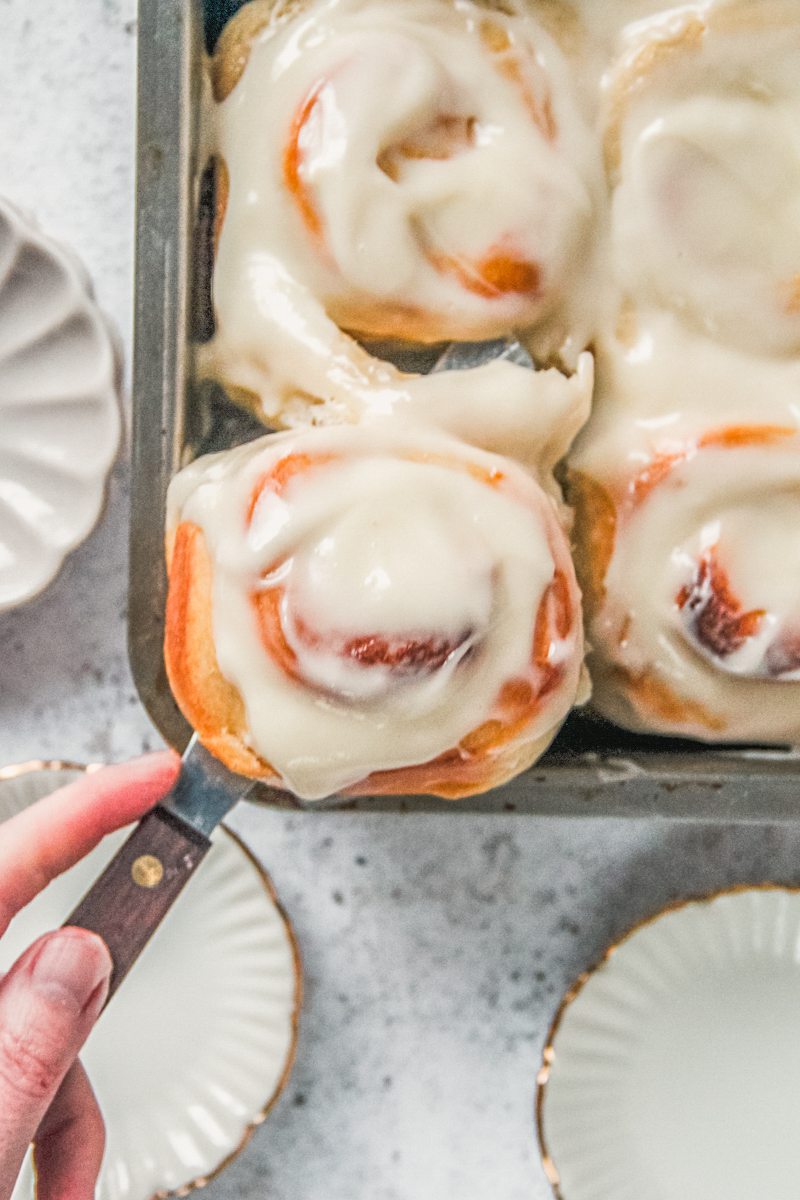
435, 947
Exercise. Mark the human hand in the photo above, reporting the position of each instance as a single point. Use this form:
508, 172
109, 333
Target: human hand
53, 994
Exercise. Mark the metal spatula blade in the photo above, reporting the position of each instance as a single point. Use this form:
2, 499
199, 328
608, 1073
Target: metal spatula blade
464, 356
205, 791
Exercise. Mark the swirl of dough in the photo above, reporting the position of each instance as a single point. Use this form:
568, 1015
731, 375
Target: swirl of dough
703, 148
370, 610
405, 170
690, 561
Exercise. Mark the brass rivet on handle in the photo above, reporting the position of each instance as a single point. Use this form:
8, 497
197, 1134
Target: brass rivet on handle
147, 871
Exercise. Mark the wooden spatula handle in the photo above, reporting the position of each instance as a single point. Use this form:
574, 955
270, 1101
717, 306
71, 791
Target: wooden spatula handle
139, 886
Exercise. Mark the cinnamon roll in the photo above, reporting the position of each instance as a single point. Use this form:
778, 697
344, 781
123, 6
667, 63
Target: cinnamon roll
690, 562
410, 170
703, 152
374, 610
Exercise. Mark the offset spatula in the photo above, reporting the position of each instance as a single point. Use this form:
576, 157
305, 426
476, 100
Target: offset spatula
127, 903
138, 887
462, 356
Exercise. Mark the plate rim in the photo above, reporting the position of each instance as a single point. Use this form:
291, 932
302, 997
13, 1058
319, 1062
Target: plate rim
72, 264
574, 990
39, 766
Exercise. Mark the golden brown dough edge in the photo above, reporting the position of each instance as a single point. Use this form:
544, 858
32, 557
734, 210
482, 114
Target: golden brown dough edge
232, 51
211, 705
642, 702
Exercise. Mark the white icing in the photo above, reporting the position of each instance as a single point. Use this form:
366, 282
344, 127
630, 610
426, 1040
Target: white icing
742, 502
667, 385
359, 575
378, 76
706, 216
531, 416
398, 536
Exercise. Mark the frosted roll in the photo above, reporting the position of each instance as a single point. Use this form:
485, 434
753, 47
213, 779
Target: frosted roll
691, 565
390, 610
415, 171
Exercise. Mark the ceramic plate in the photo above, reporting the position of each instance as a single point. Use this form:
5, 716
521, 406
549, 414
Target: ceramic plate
673, 1072
59, 409
199, 1040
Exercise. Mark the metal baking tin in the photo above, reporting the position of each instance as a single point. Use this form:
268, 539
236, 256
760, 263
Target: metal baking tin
593, 768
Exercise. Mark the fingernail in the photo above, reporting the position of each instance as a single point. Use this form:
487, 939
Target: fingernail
73, 967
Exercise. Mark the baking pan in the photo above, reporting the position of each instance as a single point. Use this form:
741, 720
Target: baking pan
592, 768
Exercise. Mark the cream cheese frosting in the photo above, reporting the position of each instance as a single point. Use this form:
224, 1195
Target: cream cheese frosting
703, 146
699, 624
404, 578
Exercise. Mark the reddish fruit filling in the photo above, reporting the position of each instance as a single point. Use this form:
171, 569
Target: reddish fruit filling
403, 655
718, 620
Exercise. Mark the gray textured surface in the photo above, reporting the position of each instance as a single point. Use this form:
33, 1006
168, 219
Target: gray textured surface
435, 948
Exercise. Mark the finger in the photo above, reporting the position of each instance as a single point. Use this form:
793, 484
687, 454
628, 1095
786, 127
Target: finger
68, 1150
54, 834
49, 1001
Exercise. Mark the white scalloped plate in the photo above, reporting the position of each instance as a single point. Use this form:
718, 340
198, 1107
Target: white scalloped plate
59, 407
673, 1069
198, 1043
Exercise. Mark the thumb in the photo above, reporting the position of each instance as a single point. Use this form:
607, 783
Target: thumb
49, 1001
